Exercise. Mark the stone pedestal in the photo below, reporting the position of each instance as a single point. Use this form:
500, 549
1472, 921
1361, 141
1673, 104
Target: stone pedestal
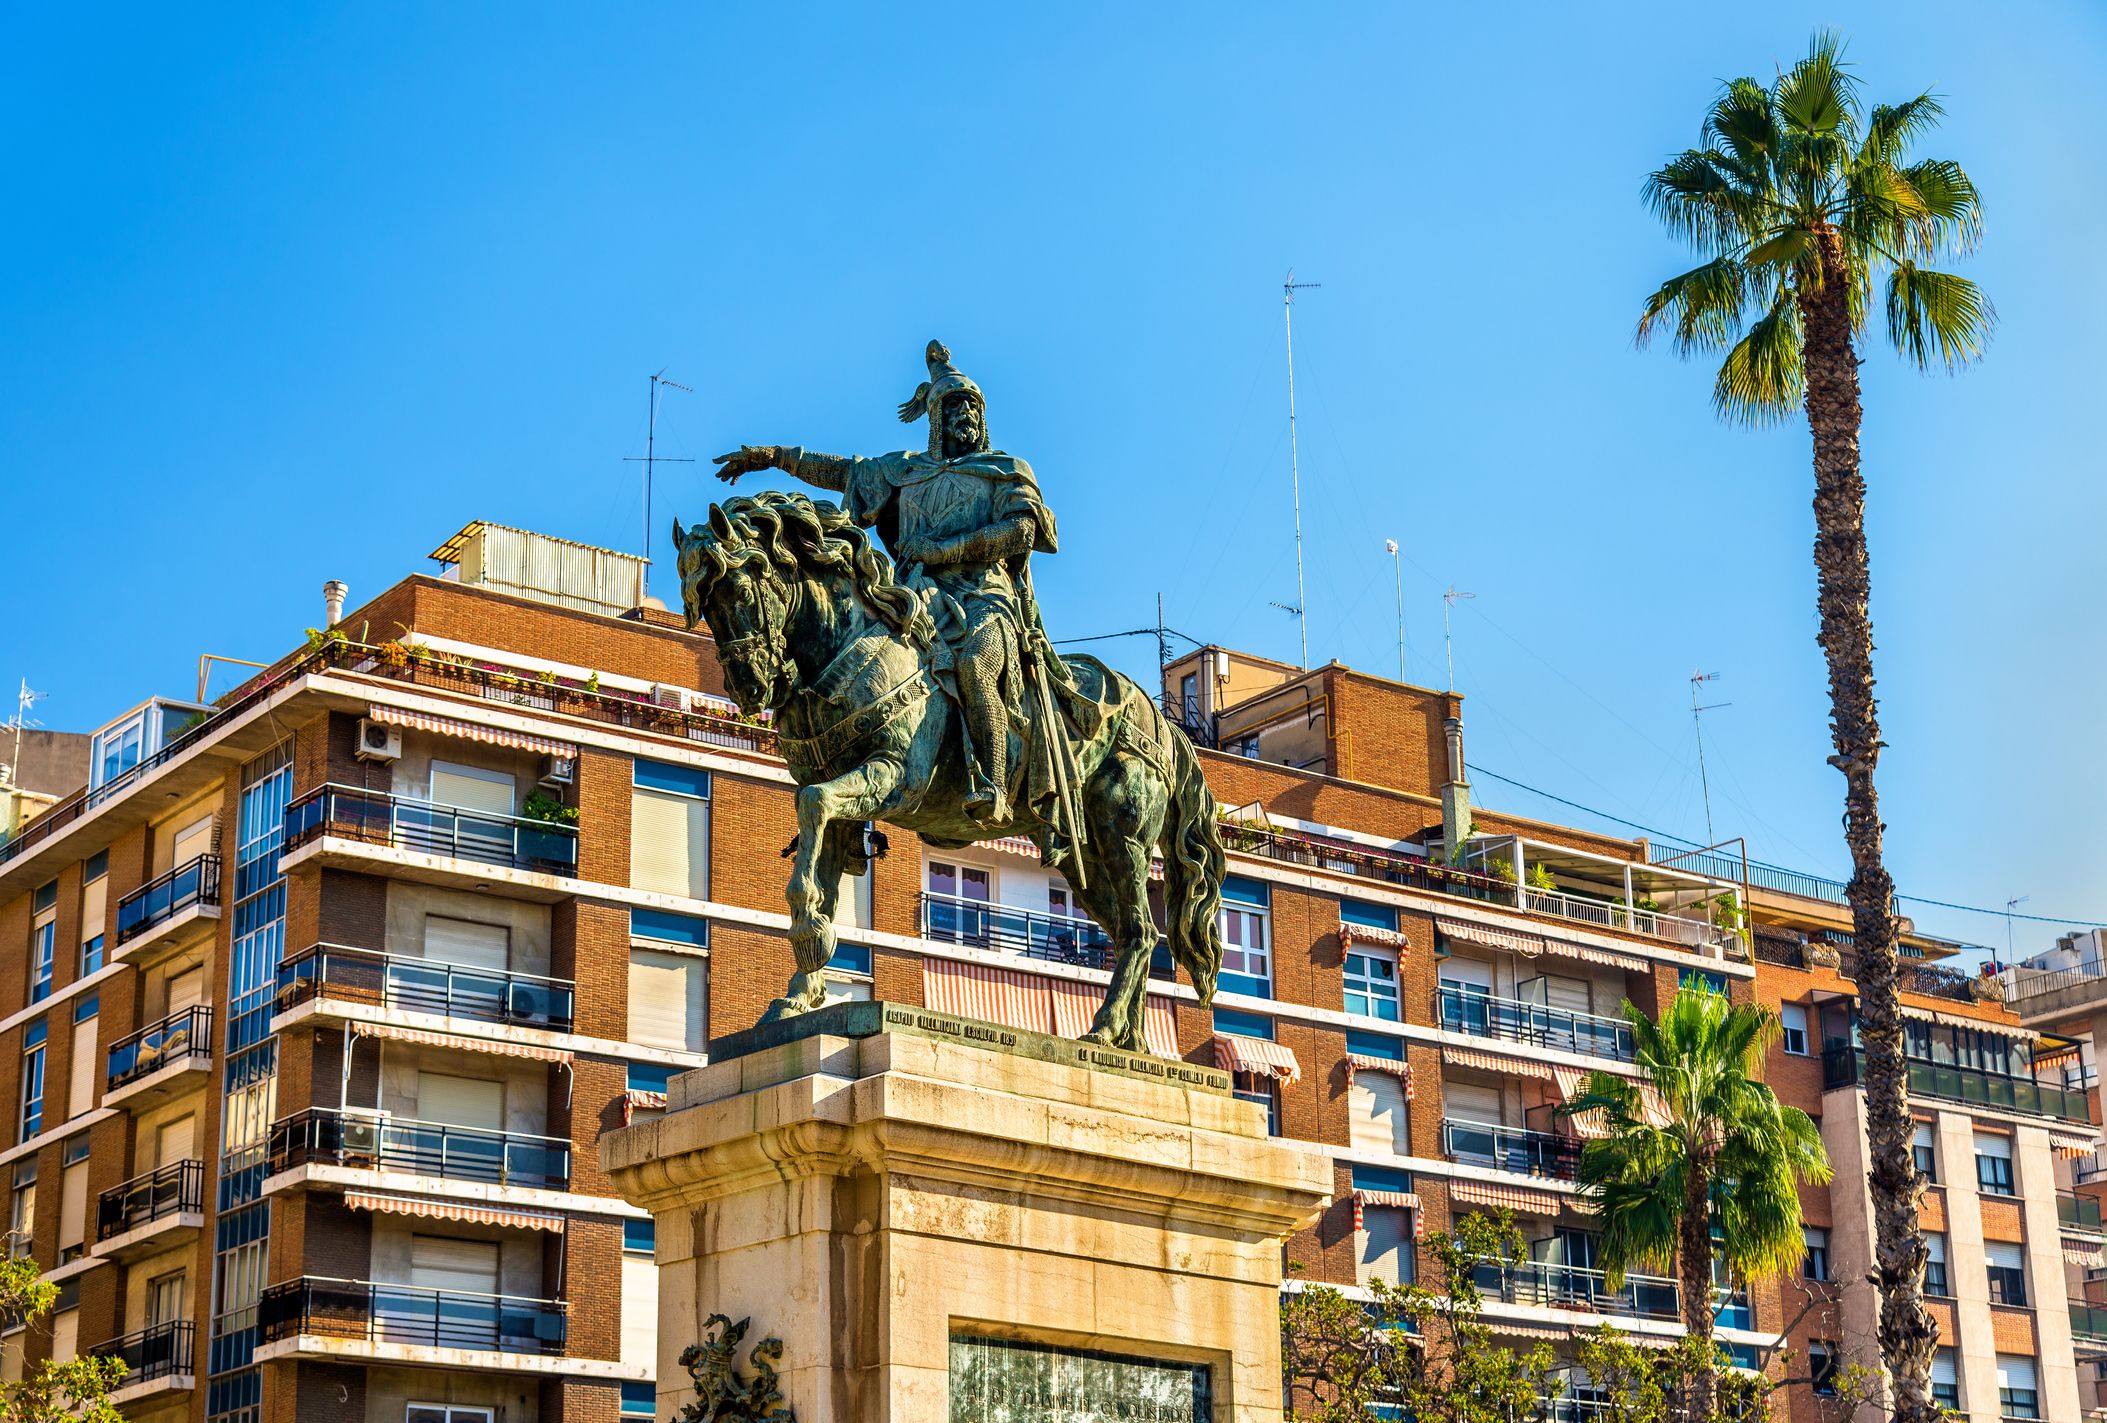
894, 1193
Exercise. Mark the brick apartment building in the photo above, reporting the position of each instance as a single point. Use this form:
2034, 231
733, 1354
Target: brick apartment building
326, 991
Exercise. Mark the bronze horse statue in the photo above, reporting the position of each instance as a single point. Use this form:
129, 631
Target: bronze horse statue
812, 625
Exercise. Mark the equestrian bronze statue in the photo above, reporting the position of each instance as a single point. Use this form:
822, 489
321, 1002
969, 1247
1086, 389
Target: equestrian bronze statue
919, 689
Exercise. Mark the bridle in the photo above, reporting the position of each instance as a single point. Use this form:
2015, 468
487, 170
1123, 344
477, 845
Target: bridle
768, 633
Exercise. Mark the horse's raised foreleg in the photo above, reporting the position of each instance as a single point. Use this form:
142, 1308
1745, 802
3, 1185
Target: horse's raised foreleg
1118, 899
816, 870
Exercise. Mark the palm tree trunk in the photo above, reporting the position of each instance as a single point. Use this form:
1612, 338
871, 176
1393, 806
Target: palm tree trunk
1907, 1335
1695, 1256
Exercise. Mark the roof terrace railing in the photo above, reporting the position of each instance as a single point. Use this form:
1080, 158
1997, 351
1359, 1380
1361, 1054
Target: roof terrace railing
406, 1314
1844, 1066
432, 828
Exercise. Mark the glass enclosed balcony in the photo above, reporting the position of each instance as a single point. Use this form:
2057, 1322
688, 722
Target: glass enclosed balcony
373, 1141
364, 1310
421, 985
401, 822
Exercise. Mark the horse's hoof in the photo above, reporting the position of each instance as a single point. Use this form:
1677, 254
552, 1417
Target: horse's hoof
784, 1008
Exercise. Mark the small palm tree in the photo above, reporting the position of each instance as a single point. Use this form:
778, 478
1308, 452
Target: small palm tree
1801, 202
1703, 1146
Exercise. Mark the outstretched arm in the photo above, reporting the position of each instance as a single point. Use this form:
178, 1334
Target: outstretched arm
829, 472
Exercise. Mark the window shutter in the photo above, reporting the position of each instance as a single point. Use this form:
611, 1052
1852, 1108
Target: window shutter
640, 1312
2014, 1371
1942, 1368
1990, 1144
2006, 1254
460, 1101
669, 843
176, 1141
666, 1000
1569, 994
80, 1088
65, 1335
186, 990
191, 841
489, 791
1472, 973
471, 945
1379, 1114
94, 907
1386, 1234
1470, 1102
73, 1207
469, 1266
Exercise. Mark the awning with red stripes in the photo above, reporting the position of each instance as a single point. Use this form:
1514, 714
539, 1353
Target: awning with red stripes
1391, 1200
1572, 1081
1233, 1052
1485, 936
456, 1211
2074, 1149
1034, 1002
1514, 1198
1588, 953
1496, 1062
1507, 1329
1365, 1062
470, 731
638, 1099
2081, 1257
1351, 934
1015, 845
495, 1046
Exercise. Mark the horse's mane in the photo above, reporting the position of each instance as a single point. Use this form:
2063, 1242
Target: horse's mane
803, 535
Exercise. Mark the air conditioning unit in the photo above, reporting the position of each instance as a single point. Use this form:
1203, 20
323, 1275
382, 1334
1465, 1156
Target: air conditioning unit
558, 770
361, 1133
673, 698
378, 741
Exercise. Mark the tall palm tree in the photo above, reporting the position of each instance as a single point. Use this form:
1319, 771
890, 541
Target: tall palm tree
1705, 1144
1800, 201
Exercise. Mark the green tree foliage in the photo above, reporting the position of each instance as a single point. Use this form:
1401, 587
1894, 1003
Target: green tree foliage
75, 1391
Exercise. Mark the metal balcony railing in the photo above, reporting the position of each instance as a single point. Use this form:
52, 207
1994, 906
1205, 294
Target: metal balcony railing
1481, 1015
1527, 1153
1056, 938
169, 1191
406, 1314
157, 1352
1844, 1066
328, 1136
426, 986
154, 1047
2076, 1212
1536, 1282
428, 827
155, 903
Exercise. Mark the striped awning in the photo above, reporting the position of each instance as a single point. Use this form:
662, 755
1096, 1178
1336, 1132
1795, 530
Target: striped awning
1485, 936
1572, 1081
1389, 1200
1496, 1062
456, 1211
470, 731
2074, 1149
1034, 1002
1514, 1198
638, 1099
1507, 1329
1588, 953
494, 1046
1233, 1052
2083, 1258
1015, 845
1365, 1062
1351, 934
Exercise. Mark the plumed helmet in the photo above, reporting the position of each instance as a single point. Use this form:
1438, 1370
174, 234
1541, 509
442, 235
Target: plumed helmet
928, 398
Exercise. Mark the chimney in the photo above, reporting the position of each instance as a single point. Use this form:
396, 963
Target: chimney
1455, 792
333, 601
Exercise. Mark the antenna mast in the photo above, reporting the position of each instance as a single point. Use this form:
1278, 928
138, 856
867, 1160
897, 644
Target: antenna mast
1288, 289
1448, 644
1397, 567
1697, 725
24, 700
649, 459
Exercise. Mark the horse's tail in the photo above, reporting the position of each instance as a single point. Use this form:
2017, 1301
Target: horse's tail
1192, 870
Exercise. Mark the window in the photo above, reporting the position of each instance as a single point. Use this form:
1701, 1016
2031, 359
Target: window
1945, 1380
956, 894
1935, 1264
639, 1400
639, 1237
32, 1118
448, 1413
1189, 695
116, 750
1702, 978
1822, 1366
1922, 1150
43, 941
2018, 1393
1993, 1164
669, 829
1247, 959
648, 1077
22, 1209
73, 1200
1384, 1247
1817, 1261
82, 1057
94, 910
668, 1000
1792, 1018
1371, 983
2006, 1264
1378, 1113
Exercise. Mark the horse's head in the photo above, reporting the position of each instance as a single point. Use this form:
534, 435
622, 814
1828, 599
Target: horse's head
780, 579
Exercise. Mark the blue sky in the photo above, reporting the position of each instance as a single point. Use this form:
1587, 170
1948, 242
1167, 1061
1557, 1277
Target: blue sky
295, 293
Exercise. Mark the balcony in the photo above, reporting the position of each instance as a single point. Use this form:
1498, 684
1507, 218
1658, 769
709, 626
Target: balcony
1844, 1066
1481, 1015
157, 1063
1535, 1282
417, 985
325, 1136
1526, 1153
2088, 1321
151, 1212
1052, 937
314, 1318
158, 1360
169, 914
2078, 1214
447, 839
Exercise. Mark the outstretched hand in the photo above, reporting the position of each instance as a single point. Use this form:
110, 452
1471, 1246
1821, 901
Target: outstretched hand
744, 460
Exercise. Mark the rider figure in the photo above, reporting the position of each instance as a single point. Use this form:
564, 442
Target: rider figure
961, 520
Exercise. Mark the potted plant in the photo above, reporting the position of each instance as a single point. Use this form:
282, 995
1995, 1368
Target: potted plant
548, 842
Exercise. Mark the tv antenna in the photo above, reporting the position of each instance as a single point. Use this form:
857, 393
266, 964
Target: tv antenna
2010, 905
1448, 643
24, 700
1397, 567
1288, 289
1697, 725
649, 460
